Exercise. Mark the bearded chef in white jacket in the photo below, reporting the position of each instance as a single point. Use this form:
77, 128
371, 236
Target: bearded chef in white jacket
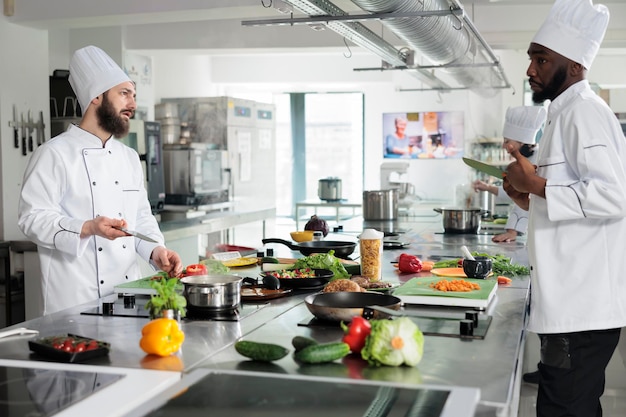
577, 217
82, 184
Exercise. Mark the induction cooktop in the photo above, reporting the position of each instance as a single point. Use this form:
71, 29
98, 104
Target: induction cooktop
45, 392
239, 393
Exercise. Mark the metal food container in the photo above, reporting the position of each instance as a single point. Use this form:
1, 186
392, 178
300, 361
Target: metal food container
380, 205
215, 292
329, 189
461, 220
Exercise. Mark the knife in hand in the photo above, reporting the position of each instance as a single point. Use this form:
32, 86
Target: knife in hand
136, 234
485, 168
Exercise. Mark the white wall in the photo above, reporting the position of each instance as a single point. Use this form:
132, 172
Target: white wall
24, 75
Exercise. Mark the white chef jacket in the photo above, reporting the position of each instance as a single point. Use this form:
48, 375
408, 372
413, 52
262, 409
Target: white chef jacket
577, 234
69, 180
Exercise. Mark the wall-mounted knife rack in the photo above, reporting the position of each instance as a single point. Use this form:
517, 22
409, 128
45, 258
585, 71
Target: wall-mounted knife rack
23, 131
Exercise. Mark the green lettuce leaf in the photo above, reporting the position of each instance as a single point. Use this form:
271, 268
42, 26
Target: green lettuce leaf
323, 261
394, 343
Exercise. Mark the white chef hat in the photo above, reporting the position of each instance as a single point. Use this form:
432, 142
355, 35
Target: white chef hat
522, 123
92, 72
574, 29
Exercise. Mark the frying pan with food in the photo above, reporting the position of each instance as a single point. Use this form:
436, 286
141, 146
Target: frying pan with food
342, 249
342, 306
322, 277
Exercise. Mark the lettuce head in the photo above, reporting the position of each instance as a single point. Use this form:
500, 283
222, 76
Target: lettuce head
394, 343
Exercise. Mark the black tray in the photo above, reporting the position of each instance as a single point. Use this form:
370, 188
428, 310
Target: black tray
44, 348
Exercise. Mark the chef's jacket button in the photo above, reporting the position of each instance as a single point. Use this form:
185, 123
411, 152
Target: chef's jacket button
93, 183
117, 182
126, 276
101, 281
124, 246
109, 152
99, 249
531, 267
119, 214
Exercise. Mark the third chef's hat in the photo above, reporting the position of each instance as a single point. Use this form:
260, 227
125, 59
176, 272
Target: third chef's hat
92, 72
522, 123
574, 29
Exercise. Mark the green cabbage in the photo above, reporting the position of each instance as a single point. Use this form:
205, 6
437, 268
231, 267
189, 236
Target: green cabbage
323, 261
379, 349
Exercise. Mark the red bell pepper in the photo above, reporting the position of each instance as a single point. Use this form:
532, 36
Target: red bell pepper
195, 269
409, 263
356, 333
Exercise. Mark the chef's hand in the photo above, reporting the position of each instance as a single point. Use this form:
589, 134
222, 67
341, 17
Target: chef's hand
522, 175
479, 185
104, 227
167, 260
509, 236
520, 199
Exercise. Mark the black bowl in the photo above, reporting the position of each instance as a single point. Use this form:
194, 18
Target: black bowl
321, 278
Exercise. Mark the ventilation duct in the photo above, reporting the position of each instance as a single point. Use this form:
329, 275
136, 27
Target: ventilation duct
444, 40
438, 29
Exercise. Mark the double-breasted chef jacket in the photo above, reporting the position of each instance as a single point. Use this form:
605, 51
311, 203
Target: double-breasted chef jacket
69, 180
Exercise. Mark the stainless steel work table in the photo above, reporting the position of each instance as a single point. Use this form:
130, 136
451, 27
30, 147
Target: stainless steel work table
492, 364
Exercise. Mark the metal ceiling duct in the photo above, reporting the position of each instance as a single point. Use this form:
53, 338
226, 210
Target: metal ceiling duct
443, 40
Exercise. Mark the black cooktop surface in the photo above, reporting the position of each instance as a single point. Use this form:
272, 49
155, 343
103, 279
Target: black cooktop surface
44, 392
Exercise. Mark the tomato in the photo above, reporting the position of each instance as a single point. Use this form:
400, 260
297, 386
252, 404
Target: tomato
196, 269
80, 346
356, 333
93, 344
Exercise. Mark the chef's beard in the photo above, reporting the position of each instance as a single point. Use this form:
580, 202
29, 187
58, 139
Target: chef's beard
110, 120
550, 91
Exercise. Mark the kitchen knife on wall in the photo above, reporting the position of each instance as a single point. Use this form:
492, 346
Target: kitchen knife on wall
30, 132
40, 128
16, 135
24, 150
485, 168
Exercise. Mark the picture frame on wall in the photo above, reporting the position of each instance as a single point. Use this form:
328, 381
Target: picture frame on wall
423, 135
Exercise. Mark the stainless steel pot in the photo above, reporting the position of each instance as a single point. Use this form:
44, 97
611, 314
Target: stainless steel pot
329, 189
380, 205
215, 292
461, 220
486, 201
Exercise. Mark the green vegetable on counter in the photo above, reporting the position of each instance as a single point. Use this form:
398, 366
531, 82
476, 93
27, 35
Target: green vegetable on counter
215, 267
394, 343
323, 261
322, 352
501, 265
264, 352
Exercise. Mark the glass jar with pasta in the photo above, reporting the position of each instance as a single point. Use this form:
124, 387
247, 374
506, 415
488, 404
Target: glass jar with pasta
371, 247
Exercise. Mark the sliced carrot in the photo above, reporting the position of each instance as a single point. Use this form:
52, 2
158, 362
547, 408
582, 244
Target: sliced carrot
502, 280
397, 342
427, 266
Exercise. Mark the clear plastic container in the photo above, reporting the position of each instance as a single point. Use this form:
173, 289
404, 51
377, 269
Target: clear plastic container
371, 247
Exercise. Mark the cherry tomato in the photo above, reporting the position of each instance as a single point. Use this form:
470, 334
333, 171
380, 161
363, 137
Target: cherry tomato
93, 344
80, 347
195, 269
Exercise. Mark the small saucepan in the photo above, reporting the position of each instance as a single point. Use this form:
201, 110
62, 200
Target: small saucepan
343, 306
212, 292
342, 249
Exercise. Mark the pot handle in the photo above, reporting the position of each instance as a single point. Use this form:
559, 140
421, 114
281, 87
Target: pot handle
283, 241
438, 210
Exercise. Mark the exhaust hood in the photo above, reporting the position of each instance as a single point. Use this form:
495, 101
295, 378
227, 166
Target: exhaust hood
453, 53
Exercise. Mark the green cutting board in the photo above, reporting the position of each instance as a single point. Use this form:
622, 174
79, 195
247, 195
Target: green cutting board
140, 286
419, 291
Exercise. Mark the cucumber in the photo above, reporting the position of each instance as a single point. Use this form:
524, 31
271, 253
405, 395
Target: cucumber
321, 353
265, 352
300, 342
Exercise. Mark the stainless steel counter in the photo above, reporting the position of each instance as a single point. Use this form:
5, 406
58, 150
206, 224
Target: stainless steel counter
491, 364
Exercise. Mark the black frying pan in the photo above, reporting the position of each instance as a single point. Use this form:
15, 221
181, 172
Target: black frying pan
342, 249
343, 305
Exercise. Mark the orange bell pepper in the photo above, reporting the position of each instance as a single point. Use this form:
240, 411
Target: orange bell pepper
161, 337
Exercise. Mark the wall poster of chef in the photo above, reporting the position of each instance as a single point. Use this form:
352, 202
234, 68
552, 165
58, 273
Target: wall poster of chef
423, 135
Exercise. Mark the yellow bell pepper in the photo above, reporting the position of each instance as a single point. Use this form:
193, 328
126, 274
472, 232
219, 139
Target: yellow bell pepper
161, 337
